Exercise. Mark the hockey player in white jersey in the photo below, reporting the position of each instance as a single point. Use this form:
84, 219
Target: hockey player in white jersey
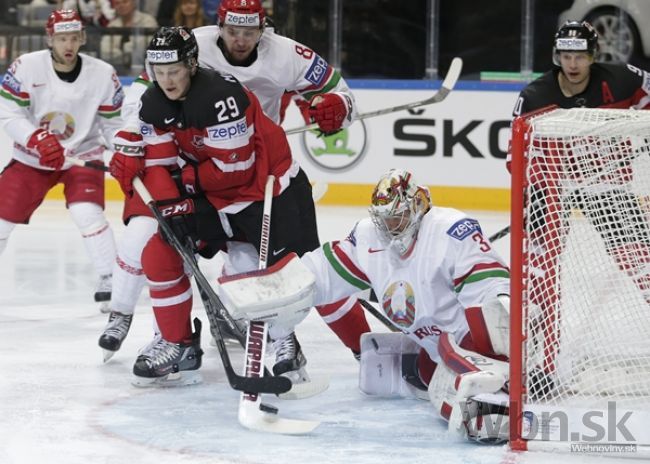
54, 102
269, 65
439, 282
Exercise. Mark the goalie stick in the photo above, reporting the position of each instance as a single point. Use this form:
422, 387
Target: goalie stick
447, 85
499, 234
214, 308
253, 414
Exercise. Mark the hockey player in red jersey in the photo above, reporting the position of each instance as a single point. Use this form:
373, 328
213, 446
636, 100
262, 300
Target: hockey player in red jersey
578, 81
229, 146
267, 64
53, 102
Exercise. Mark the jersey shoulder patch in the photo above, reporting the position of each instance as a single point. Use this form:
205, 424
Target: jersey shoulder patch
463, 228
317, 71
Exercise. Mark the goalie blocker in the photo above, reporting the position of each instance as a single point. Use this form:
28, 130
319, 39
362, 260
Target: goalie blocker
468, 387
280, 295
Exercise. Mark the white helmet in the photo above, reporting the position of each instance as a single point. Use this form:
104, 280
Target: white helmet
397, 207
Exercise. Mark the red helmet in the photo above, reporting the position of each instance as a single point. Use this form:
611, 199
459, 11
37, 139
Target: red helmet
63, 21
241, 13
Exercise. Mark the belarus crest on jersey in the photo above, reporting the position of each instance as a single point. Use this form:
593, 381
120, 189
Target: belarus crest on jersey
398, 303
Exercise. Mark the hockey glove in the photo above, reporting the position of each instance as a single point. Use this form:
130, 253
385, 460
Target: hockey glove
127, 161
329, 111
48, 147
190, 179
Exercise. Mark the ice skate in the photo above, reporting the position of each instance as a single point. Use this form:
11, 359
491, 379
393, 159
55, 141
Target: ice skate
290, 362
114, 333
166, 364
103, 293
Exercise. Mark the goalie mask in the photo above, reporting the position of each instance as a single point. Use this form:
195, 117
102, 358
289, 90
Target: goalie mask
397, 207
575, 36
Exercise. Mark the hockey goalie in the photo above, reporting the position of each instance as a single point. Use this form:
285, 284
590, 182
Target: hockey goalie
440, 283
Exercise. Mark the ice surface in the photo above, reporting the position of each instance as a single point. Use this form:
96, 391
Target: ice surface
60, 404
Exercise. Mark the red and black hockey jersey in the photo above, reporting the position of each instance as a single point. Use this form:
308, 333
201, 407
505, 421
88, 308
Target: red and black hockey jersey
221, 127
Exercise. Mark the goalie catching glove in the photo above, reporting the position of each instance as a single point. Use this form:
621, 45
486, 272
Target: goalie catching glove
280, 295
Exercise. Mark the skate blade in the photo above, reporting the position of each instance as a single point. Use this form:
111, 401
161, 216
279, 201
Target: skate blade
177, 379
305, 386
107, 354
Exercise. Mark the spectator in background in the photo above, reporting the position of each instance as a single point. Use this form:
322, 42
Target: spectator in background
92, 12
119, 48
189, 13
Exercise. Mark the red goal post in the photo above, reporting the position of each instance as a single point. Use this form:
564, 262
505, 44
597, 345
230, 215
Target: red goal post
580, 281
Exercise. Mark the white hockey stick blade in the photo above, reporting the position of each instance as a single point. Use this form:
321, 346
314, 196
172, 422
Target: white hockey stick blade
300, 391
251, 417
453, 73
318, 190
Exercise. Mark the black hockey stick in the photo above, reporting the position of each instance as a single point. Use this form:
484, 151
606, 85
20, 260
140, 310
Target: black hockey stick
213, 305
499, 234
379, 316
447, 85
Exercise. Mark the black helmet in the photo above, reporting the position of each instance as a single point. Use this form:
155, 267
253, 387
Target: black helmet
575, 36
172, 45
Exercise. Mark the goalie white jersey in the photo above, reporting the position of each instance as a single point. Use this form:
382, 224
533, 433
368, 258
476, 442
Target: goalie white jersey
282, 65
452, 267
33, 96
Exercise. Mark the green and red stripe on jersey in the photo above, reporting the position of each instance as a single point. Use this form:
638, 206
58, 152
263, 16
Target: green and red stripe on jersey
109, 111
344, 266
481, 272
19, 98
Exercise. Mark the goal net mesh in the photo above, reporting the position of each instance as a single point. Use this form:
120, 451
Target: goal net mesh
586, 258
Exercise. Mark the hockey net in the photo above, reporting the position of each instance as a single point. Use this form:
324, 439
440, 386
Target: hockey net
580, 250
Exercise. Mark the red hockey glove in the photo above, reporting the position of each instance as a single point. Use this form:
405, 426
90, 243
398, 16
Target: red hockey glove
127, 161
48, 147
328, 111
124, 168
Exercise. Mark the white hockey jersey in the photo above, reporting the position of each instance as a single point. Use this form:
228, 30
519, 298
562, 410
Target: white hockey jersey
282, 65
452, 267
79, 112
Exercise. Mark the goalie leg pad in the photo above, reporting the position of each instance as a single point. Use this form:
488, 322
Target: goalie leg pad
489, 325
467, 390
382, 365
